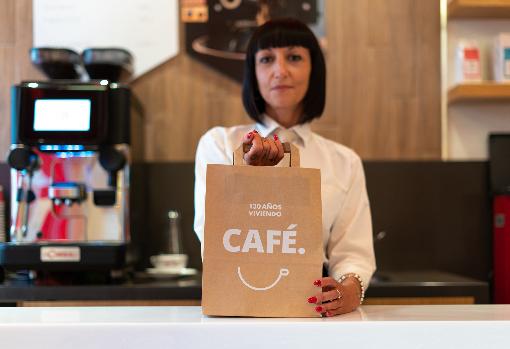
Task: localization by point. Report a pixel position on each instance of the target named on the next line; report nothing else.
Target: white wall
(148, 29)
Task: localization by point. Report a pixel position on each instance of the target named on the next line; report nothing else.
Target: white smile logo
(283, 272)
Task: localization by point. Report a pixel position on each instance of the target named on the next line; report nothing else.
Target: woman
(283, 91)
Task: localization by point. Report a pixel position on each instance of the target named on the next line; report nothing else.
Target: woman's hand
(336, 298)
(264, 151)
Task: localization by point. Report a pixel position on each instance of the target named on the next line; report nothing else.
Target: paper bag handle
(287, 148)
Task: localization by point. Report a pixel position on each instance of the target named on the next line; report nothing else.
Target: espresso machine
(69, 160)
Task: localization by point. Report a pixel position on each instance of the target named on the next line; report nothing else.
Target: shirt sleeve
(211, 149)
(350, 248)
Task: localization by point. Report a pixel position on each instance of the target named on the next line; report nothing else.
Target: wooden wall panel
(6, 79)
(6, 16)
(24, 70)
(384, 78)
(6, 69)
(383, 84)
(15, 66)
(182, 99)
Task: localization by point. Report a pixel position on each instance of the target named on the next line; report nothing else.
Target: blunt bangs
(277, 36)
(283, 32)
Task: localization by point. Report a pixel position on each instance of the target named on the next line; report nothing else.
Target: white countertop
(428, 326)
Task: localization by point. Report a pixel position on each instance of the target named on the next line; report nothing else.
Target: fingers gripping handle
(287, 148)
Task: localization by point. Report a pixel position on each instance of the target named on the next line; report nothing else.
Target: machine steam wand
(25, 161)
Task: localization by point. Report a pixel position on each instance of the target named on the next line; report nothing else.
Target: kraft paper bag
(263, 239)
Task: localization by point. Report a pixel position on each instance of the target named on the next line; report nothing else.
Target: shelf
(479, 9)
(482, 92)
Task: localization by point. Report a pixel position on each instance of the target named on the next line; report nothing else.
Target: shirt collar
(270, 126)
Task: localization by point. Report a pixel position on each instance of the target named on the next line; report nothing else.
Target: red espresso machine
(70, 161)
(499, 150)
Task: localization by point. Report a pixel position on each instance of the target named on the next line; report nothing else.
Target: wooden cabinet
(483, 92)
(196, 302)
(110, 303)
(418, 300)
(479, 9)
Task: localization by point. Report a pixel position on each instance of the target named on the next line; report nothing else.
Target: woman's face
(283, 74)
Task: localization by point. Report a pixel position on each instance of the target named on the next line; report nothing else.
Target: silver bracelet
(360, 280)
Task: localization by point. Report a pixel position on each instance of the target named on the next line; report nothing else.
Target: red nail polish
(275, 137)
(329, 314)
(312, 299)
(318, 309)
(317, 283)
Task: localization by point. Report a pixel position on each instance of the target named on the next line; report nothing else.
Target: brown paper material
(263, 240)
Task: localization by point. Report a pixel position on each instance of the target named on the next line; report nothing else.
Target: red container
(501, 224)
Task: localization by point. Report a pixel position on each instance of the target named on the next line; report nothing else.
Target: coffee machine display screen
(53, 113)
(57, 115)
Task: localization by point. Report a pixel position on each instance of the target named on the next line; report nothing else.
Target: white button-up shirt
(346, 220)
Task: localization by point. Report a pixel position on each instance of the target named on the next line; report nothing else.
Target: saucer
(167, 272)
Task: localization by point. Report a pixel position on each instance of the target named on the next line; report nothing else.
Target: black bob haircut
(284, 32)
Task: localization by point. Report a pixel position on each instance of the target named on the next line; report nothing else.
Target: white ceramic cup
(170, 262)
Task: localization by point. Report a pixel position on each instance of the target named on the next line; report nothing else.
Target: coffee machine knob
(23, 159)
(112, 161)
